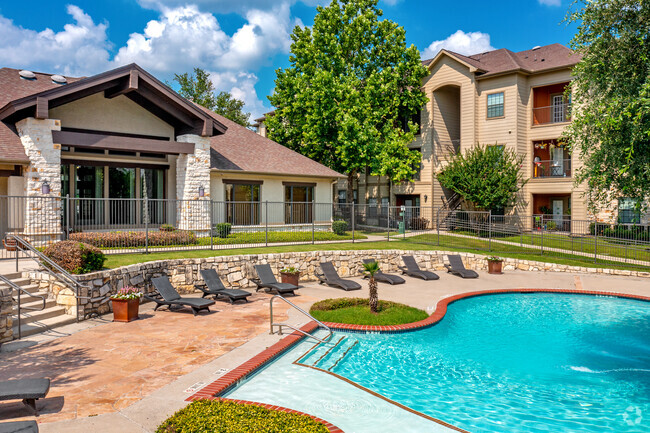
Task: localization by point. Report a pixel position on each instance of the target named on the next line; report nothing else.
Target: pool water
(509, 362)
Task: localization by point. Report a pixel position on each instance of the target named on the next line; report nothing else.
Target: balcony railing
(552, 169)
(557, 113)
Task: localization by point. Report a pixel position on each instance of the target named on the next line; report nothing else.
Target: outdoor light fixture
(201, 191)
(425, 198)
(45, 188)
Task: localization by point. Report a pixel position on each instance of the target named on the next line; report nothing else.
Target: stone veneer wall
(237, 271)
(6, 322)
(192, 172)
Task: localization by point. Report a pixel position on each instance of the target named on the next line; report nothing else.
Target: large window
(243, 207)
(299, 206)
(628, 211)
(413, 118)
(121, 187)
(152, 186)
(495, 105)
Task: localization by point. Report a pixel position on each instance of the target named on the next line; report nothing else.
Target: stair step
(40, 315)
(44, 325)
(29, 302)
(14, 276)
(21, 281)
(337, 355)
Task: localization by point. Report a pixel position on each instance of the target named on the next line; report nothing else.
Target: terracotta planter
(10, 245)
(495, 266)
(125, 310)
(290, 278)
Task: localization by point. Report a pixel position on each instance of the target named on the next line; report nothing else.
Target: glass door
(121, 191)
(89, 188)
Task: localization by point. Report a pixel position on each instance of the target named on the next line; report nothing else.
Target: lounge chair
(27, 390)
(456, 267)
(214, 287)
(19, 427)
(268, 282)
(413, 270)
(169, 296)
(385, 278)
(332, 278)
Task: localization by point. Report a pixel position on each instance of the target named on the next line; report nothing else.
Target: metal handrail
(280, 325)
(19, 289)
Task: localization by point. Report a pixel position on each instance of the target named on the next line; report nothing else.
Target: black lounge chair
(19, 427)
(268, 282)
(413, 270)
(169, 296)
(457, 267)
(385, 278)
(214, 287)
(27, 390)
(332, 278)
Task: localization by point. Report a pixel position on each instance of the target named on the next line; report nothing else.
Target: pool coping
(243, 371)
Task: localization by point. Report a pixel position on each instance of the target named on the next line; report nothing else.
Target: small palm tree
(371, 269)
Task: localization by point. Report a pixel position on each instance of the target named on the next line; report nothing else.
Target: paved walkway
(115, 377)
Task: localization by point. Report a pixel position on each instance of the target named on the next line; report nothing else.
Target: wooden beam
(113, 142)
(128, 85)
(165, 104)
(42, 108)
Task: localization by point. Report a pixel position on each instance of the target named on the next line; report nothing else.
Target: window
(298, 203)
(628, 211)
(495, 105)
(418, 165)
(152, 186)
(372, 207)
(343, 195)
(243, 207)
(413, 118)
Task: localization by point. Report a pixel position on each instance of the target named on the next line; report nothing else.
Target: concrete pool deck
(115, 377)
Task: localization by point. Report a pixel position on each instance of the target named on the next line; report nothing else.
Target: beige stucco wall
(118, 114)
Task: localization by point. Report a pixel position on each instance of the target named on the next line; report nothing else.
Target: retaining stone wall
(237, 271)
(6, 322)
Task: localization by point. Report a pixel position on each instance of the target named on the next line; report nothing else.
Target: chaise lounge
(413, 270)
(332, 278)
(168, 296)
(383, 277)
(268, 282)
(214, 287)
(27, 390)
(456, 267)
(19, 427)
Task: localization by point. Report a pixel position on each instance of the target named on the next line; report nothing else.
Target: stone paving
(116, 377)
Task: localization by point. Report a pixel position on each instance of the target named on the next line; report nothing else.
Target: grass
(356, 311)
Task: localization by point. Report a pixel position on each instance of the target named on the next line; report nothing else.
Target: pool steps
(327, 356)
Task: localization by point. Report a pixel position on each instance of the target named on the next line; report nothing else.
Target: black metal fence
(142, 225)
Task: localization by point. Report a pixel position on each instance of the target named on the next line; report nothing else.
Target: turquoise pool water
(507, 362)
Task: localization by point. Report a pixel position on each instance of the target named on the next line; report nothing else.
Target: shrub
(551, 225)
(223, 229)
(135, 239)
(339, 227)
(227, 416)
(76, 257)
(419, 223)
(167, 228)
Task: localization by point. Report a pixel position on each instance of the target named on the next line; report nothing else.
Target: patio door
(557, 164)
(558, 211)
(557, 104)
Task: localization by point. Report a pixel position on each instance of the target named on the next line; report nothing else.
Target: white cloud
(460, 42)
(227, 6)
(240, 85)
(80, 48)
(550, 2)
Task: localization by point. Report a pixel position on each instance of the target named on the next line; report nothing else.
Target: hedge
(208, 416)
(135, 239)
(76, 257)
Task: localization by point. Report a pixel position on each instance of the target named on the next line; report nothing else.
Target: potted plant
(125, 304)
(290, 275)
(495, 265)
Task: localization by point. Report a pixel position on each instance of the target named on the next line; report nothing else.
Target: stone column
(42, 211)
(192, 173)
(6, 321)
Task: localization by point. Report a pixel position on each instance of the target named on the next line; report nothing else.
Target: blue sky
(242, 42)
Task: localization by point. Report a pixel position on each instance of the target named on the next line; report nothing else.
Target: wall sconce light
(425, 198)
(45, 188)
(201, 191)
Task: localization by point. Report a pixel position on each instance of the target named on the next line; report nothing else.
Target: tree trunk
(374, 299)
(350, 192)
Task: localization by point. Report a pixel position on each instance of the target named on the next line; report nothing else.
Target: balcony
(558, 113)
(559, 168)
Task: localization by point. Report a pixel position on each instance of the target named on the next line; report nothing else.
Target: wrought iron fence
(143, 225)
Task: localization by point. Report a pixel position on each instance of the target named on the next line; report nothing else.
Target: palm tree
(371, 269)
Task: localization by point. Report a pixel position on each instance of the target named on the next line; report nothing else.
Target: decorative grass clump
(210, 416)
(356, 311)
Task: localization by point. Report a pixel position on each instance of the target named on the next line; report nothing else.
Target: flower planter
(10, 245)
(125, 310)
(495, 266)
(290, 277)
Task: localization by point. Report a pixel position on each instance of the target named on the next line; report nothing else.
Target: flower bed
(356, 311)
(135, 239)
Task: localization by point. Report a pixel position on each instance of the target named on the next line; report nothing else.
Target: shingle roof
(530, 61)
(13, 87)
(240, 149)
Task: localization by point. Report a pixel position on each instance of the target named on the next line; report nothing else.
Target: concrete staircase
(35, 321)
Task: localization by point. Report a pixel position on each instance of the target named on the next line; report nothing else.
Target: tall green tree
(611, 94)
(198, 88)
(350, 82)
(486, 177)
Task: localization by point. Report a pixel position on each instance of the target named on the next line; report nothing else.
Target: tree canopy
(486, 177)
(350, 84)
(611, 94)
(198, 88)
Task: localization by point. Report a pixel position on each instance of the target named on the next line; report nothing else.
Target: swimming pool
(506, 362)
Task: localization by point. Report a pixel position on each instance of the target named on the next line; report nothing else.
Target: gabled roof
(497, 62)
(241, 150)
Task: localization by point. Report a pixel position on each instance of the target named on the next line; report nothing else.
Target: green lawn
(357, 312)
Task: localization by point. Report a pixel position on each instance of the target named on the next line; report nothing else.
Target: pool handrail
(280, 325)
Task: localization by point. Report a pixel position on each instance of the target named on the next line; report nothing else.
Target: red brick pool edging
(233, 377)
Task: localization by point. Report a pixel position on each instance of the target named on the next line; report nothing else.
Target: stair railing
(280, 325)
(19, 290)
